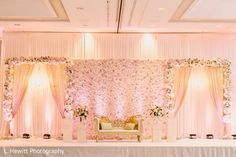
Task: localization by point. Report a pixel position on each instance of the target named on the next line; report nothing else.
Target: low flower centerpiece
(81, 113)
(157, 112)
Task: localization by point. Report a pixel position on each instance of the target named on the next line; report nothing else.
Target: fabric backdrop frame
(8, 86)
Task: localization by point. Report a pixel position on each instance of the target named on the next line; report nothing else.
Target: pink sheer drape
(56, 76)
(197, 114)
(181, 80)
(215, 78)
(23, 73)
(38, 113)
(5, 128)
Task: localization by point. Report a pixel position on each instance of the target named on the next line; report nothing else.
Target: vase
(81, 131)
(157, 130)
(67, 130)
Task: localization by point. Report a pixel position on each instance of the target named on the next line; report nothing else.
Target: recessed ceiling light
(161, 9)
(17, 24)
(80, 8)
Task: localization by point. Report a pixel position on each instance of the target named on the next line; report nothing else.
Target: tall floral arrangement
(81, 112)
(157, 111)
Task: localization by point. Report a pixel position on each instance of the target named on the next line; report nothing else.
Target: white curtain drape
(43, 44)
(198, 113)
(126, 46)
(56, 76)
(181, 81)
(38, 113)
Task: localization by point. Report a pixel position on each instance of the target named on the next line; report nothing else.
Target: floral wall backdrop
(119, 89)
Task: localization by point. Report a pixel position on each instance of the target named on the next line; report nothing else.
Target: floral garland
(9, 73)
(222, 63)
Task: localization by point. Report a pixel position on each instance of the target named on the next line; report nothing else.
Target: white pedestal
(156, 133)
(67, 130)
(81, 132)
(171, 130)
(157, 130)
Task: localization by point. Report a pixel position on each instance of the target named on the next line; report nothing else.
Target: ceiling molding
(55, 4)
(132, 12)
(182, 9)
(117, 10)
(108, 13)
(120, 15)
(143, 11)
(59, 9)
(135, 16)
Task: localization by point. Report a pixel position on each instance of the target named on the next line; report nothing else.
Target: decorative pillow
(118, 123)
(129, 126)
(133, 119)
(104, 119)
(106, 126)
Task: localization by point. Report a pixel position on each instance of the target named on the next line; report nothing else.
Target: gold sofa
(131, 126)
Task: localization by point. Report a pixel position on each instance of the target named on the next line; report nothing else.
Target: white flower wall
(119, 89)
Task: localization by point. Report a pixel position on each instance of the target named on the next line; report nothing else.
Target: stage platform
(57, 148)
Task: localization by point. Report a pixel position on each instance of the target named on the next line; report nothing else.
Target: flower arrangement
(81, 113)
(157, 111)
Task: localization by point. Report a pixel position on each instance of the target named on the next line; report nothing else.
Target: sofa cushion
(129, 126)
(106, 126)
(133, 119)
(104, 119)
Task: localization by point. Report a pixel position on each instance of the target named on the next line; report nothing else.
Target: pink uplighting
(119, 78)
(119, 103)
(139, 102)
(101, 103)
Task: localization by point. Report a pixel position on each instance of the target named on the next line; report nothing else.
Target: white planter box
(156, 134)
(171, 130)
(157, 130)
(67, 130)
(81, 132)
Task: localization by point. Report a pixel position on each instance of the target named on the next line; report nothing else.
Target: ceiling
(118, 15)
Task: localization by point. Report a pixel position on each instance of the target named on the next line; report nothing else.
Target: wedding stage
(179, 148)
(69, 110)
